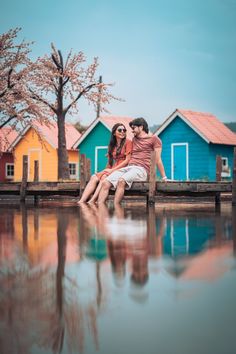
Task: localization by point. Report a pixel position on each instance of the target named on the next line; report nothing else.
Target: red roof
(110, 121)
(210, 127)
(49, 132)
(7, 136)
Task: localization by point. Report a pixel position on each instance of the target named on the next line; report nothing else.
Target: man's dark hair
(138, 122)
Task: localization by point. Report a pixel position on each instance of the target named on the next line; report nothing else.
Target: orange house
(40, 142)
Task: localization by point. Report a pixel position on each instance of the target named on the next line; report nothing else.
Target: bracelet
(164, 178)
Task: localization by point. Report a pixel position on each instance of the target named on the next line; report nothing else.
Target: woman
(119, 151)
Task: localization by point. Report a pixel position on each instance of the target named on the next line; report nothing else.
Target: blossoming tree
(16, 103)
(58, 84)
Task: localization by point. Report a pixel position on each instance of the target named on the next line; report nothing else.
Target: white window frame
(75, 176)
(6, 169)
(172, 159)
(96, 156)
(224, 173)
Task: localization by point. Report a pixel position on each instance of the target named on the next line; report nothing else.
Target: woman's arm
(122, 164)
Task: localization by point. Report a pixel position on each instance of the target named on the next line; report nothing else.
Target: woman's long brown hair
(113, 142)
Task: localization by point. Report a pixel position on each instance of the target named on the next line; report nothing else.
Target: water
(89, 280)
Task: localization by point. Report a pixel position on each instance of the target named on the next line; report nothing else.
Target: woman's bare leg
(103, 195)
(89, 189)
(97, 191)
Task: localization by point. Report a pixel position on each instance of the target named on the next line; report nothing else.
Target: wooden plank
(82, 170)
(36, 171)
(88, 169)
(234, 180)
(218, 177)
(152, 180)
(36, 179)
(24, 178)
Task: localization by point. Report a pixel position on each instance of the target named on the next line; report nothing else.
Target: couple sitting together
(128, 162)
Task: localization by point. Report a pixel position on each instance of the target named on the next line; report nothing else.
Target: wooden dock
(150, 189)
(193, 189)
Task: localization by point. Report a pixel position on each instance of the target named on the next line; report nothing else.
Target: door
(100, 158)
(179, 157)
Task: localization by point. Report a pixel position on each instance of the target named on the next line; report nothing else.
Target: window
(224, 162)
(9, 170)
(72, 169)
(225, 167)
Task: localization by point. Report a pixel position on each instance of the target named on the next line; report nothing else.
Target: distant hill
(231, 126)
(154, 127)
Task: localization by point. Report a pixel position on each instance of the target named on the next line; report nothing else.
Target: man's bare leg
(103, 195)
(120, 190)
(89, 189)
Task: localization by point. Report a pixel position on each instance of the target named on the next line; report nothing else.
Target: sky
(160, 54)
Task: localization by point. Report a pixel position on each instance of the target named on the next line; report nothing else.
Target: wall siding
(179, 132)
(5, 157)
(223, 151)
(99, 136)
(47, 155)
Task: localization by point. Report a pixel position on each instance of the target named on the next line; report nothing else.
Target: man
(139, 165)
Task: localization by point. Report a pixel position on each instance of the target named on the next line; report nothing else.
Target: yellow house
(40, 142)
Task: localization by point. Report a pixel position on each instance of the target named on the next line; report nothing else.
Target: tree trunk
(63, 165)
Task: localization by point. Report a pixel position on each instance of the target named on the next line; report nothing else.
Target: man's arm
(159, 163)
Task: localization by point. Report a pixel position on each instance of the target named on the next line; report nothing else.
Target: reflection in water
(63, 271)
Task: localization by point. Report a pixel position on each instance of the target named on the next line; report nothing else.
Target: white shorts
(130, 174)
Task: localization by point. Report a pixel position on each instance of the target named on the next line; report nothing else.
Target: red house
(7, 136)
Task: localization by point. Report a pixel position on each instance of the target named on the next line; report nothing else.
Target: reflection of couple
(126, 240)
(127, 162)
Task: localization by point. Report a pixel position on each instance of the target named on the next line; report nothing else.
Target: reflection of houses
(7, 136)
(191, 142)
(187, 236)
(40, 142)
(38, 232)
(93, 143)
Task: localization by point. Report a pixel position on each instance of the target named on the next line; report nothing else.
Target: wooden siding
(31, 145)
(5, 157)
(99, 136)
(179, 132)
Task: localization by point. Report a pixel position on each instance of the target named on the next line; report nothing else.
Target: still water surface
(129, 280)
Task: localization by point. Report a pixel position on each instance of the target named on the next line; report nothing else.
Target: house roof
(7, 136)
(49, 132)
(209, 127)
(108, 122)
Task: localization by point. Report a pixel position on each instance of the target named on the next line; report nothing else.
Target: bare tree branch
(38, 98)
(86, 89)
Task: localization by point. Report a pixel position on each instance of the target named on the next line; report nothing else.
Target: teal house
(191, 142)
(95, 140)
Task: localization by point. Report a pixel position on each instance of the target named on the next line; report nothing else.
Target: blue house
(191, 141)
(95, 140)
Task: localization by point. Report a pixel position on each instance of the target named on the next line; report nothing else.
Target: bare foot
(81, 202)
(91, 201)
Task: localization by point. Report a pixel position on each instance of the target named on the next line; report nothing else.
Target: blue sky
(161, 54)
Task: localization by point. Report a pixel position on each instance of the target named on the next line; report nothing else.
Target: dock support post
(82, 173)
(234, 180)
(152, 180)
(88, 169)
(36, 179)
(24, 178)
(218, 177)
